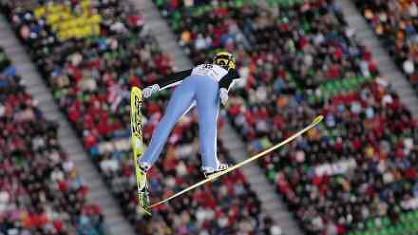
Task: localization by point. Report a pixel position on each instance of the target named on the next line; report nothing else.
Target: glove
(223, 94)
(148, 91)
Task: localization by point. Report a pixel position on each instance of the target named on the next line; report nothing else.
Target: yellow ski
(138, 148)
(315, 122)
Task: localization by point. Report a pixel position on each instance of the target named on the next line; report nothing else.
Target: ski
(138, 148)
(213, 177)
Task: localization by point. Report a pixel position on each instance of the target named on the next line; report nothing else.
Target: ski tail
(138, 148)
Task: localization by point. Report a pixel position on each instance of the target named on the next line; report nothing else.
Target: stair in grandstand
(405, 221)
(385, 63)
(271, 203)
(114, 221)
(159, 28)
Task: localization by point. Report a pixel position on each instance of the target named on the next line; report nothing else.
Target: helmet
(225, 60)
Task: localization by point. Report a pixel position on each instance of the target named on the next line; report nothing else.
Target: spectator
(38, 181)
(90, 79)
(394, 22)
(329, 194)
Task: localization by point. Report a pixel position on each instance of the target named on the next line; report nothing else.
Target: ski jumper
(199, 85)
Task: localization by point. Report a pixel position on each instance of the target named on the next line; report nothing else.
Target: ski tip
(134, 88)
(318, 119)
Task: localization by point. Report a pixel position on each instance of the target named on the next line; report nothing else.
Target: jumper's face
(225, 61)
(222, 62)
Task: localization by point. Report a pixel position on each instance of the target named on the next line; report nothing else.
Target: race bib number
(214, 71)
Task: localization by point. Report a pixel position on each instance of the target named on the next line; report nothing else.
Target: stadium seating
(40, 189)
(360, 165)
(395, 23)
(90, 79)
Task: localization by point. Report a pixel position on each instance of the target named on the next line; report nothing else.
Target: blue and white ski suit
(200, 86)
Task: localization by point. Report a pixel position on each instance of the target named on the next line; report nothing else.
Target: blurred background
(67, 67)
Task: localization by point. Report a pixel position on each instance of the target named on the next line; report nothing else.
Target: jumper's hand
(148, 91)
(223, 94)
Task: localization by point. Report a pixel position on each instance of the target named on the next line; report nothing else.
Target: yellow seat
(85, 4)
(39, 12)
(67, 25)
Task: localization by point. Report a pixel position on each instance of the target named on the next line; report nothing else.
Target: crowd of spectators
(90, 79)
(41, 191)
(395, 22)
(356, 173)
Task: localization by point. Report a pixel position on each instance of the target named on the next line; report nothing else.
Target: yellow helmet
(225, 60)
